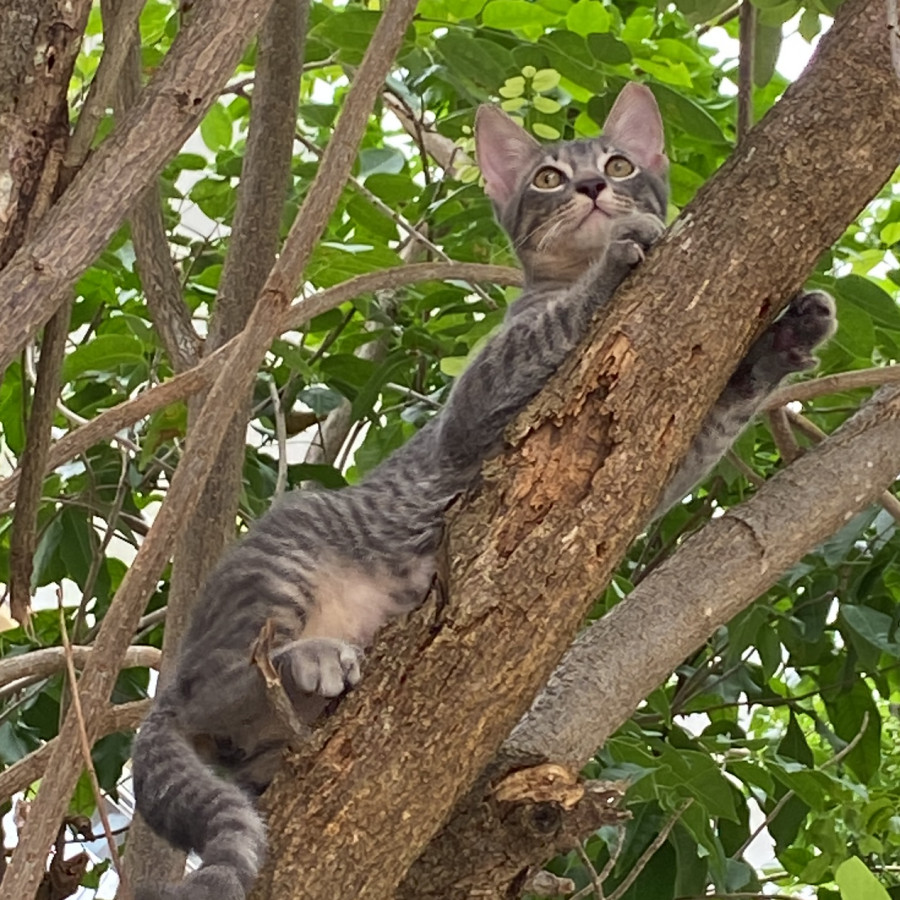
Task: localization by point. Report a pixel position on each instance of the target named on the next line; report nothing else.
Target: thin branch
(117, 30)
(34, 462)
(833, 384)
(887, 500)
(832, 761)
(747, 37)
(159, 278)
(780, 428)
(749, 473)
(596, 885)
(49, 660)
(85, 745)
(201, 376)
(281, 433)
(648, 854)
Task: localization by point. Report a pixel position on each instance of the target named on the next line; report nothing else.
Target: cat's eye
(618, 167)
(548, 178)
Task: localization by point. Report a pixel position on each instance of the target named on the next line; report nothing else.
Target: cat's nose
(591, 187)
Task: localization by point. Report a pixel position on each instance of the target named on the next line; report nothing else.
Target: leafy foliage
(775, 745)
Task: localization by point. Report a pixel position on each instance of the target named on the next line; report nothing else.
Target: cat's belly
(352, 603)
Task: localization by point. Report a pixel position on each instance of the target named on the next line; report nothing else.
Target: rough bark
(79, 225)
(620, 659)
(557, 512)
(38, 46)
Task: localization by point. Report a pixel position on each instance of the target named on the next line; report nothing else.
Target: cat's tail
(184, 801)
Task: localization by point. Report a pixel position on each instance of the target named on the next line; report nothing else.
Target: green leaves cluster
(788, 712)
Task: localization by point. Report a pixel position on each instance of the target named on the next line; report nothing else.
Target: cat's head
(557, 201)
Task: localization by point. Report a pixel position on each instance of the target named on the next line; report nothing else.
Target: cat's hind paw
(324, 666)
(809, 321)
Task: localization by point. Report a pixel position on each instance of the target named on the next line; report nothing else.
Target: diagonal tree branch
(557, 512)
(169, 109)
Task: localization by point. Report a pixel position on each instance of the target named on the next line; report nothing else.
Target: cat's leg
(785, 347)
(541, 330)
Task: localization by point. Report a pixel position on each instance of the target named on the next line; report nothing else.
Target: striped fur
(327, 569)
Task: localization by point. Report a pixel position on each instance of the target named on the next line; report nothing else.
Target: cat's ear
(635, 125)
(503, 149)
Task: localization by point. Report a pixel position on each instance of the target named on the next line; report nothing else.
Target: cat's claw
(324, 666)
(808, 321)
(633, 236)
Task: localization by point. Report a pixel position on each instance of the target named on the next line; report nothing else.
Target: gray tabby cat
(329, 568)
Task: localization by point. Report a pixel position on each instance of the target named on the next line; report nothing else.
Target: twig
(49, 660)
(780, 428)
(721, 20)
(833, 384)
(790, 792)
(752, 476)
(596, 885)
(281, 432)
(647, 855)
(201, 376)
(97, 559)
(747, 37)
(34, 462)
(116, 41)
(86, 746)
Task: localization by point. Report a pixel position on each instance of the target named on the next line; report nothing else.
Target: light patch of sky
(792, 58)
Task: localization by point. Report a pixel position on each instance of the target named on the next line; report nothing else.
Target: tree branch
(557, 512)
(80, 224)
(49, 660)
(34, 463)
(107, 423)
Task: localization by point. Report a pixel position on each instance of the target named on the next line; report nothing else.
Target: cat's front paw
(808, 321)
(324, 666)
(633, 236)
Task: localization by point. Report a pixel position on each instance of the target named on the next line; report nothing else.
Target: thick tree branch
(557, 512)
(80, 224)
(107, 423)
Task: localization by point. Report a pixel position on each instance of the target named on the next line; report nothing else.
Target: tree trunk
(558, 511)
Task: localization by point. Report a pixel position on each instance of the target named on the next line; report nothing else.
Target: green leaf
(483, 61)
(871, 626)
(103, 353)
(511, 14)
(855, 718)
(587, 17)
(856, 882)
(545, 80)
(216, 128)
(679, 110)
(766, 46)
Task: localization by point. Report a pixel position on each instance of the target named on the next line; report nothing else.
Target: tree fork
(558, 511)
